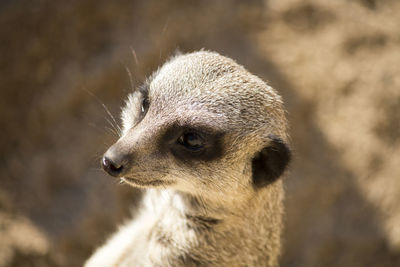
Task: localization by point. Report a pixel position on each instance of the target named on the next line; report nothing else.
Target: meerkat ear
(270, 163)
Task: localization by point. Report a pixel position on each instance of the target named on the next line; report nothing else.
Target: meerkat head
(201, 124)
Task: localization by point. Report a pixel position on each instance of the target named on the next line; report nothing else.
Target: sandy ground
(336, 63)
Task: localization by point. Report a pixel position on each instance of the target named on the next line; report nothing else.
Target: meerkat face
(201, 123)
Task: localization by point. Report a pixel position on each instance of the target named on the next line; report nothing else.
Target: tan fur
(204, 212)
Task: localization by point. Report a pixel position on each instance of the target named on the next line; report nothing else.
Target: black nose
(112, 168)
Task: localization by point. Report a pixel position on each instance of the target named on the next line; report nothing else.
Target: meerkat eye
(191, 141)
(144, 106)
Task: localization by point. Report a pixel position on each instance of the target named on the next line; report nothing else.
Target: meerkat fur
(207, 142)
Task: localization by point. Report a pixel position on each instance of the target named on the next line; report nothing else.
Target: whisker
(165, 26)
(112, 117)
(113, 127)
(130, 77)
(118, 129)
(162, 33)
(135, 56)
(112, 131)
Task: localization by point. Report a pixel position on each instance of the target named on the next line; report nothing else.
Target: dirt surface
(336, 63)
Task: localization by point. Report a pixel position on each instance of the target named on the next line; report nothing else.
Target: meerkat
(207, 141)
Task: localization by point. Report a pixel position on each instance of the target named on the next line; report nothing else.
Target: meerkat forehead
(209, 88)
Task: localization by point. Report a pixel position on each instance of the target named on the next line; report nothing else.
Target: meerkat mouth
(138, 182)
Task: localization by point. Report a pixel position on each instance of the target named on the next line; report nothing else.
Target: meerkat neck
(160, 201)
(167, 201)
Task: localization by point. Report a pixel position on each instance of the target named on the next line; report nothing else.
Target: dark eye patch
(205, 144)
(145, 102)
(144, 88)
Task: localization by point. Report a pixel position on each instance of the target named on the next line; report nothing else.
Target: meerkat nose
(112, 167)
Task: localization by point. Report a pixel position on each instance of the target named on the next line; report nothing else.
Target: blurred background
(336, 63)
